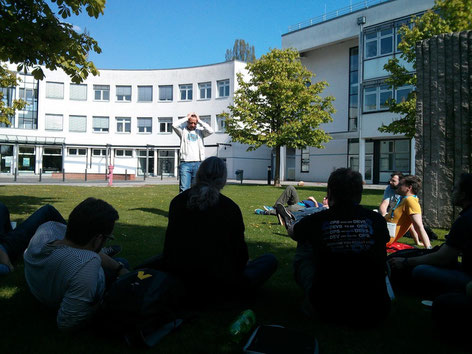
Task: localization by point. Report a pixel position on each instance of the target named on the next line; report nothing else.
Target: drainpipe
(361, 21)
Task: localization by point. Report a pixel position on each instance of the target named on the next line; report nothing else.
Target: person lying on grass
(64, 267)
(13, 242)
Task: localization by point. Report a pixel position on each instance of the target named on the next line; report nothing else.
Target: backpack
(143, 305)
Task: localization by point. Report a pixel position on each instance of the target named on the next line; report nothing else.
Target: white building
(348, 49)
(121, 118)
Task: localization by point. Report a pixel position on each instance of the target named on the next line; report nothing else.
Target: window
(401, 93)
(53, 122)
(186, 92)
(52, 159)
(99, 152)
(123, 93)
(76, 152)
(221, 123)
(165, 125)
(145, 125)
(206, 119)
(395, 155)
(376, 97)
(353, 88)
(223, 88)
(123, 153)
(101, 92)
(28, 120)
(77, 124)
(100, 124)
(144, 93)
(78, 92)
(165, 93)
(378, 43)
(123, 125)
(54, 90)
(30, 96)
(205, 90)
(305, 161)
(26, 158)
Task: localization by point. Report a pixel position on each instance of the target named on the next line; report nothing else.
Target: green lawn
(28, 327)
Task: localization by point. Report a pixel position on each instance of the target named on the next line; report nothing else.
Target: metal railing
(337, 13)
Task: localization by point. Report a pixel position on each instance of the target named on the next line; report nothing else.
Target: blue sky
(158, 34)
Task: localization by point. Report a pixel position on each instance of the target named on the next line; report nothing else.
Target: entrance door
(369, 171)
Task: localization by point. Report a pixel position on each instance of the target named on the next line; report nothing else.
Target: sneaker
(268, 208)
(285, 217)
(112, 250)
(261, 212)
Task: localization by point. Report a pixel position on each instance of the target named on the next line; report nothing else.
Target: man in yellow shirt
(407, 212)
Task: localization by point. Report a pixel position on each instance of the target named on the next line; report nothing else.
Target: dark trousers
(16, 241)
(290, 198)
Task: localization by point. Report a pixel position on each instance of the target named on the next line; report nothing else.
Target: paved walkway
(139, 182)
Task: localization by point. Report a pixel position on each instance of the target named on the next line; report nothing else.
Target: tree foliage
(33, 35)
(279, 105)
(8, 79)
(241, 51)
(445, 17)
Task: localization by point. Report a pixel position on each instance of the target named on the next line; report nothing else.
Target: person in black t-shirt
(341, 257)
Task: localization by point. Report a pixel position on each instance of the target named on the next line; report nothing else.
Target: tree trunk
(277, 167)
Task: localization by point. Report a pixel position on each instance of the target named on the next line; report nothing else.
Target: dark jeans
(290, 198)
(16, 241)
(259, 270)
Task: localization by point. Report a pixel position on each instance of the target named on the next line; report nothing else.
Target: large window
(101, 92)
(26, 158)
(144, 93)
(78, 124)
(123, 124)
(6, 156)
(123, 93)
(401, 93)
(376, 97)
(145, 125)
(100, 124)
(28, 120)
(78, 92)
(305, 160)
(379, 42)
(166, 162)
(52, 159)
(54, 90)
(186, 92)
(205, 90)
(395, 155)
(206, 119)
(53, 122)
(223, 88)
(353, 87)
(165, 93)
(165, 124)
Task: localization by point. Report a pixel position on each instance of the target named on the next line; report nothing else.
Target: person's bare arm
(383, 207)
(418, 225)
(111, 264)
(443, 257)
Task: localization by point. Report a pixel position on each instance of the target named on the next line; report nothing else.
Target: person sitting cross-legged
(204, 243)
(340, 261)
(64, 267)
(13, 242)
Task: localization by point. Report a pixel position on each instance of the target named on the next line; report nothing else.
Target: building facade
(121, 118)
(348, 49)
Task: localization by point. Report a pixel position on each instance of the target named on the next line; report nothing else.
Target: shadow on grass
(23, 204)
(154, 211)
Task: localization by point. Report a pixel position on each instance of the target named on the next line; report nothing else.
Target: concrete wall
(444, 124)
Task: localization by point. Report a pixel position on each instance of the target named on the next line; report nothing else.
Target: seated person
(13, 242)
(391, 196)
(441, 272)
(63, 266)
(204, 243)
(340, 261)
(407, 212)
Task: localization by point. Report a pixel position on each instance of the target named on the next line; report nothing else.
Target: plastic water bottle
(243, 324)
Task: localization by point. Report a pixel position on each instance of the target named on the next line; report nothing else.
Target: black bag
(143, 305)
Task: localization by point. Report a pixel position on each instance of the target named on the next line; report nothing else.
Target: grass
(26, 326)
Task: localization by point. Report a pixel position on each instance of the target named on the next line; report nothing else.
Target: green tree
(241, 51)
(32, 35)
(446, 16)
(279, 106)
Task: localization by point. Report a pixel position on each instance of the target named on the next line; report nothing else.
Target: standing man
(340, 261)
(192, 150)
(407, 212)
(391, 196)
